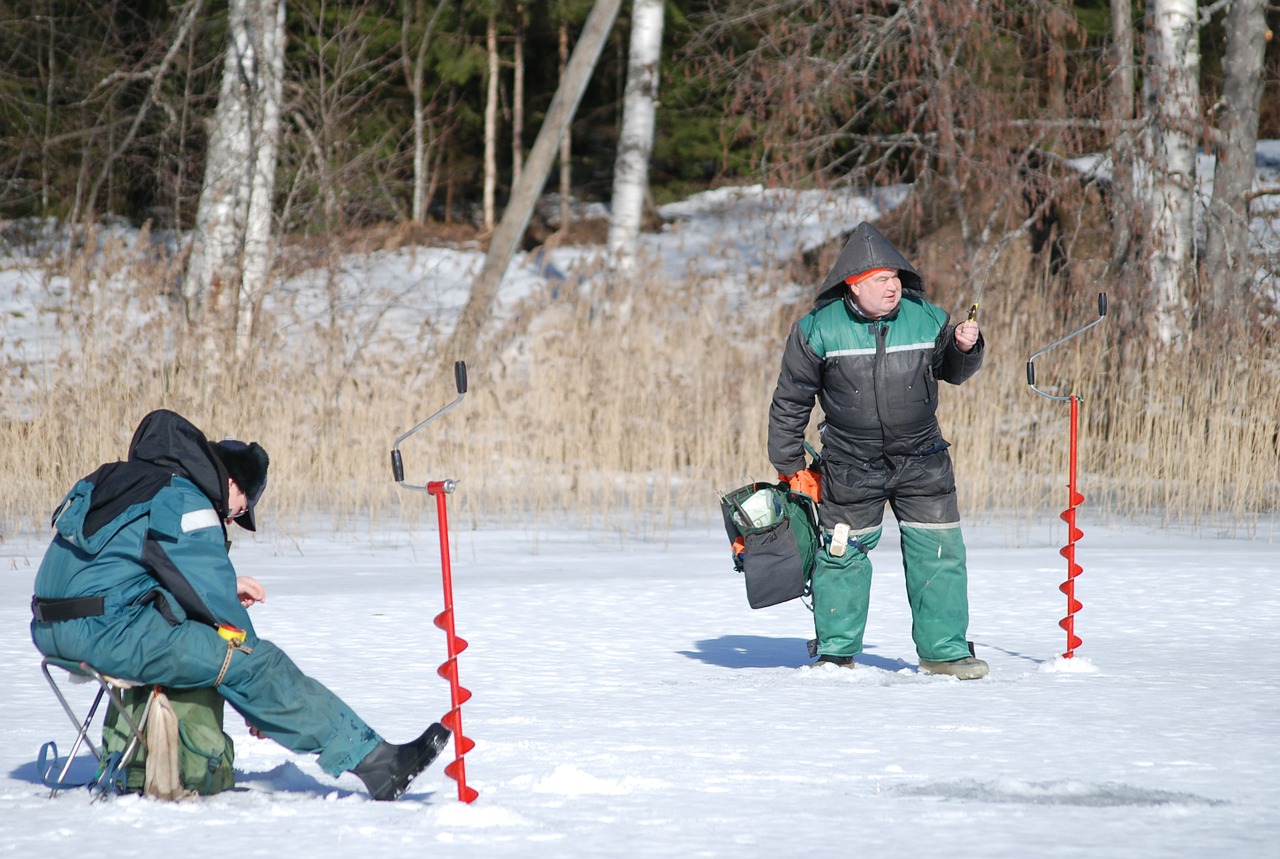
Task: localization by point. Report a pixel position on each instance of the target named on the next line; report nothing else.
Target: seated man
(138, 583)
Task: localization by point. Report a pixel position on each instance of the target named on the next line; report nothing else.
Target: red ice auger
(455, 645)
(1075, 499)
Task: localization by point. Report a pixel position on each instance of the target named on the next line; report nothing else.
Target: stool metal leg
(106, 687)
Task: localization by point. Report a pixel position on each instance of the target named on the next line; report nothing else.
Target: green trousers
(937, 590)
(921, 492)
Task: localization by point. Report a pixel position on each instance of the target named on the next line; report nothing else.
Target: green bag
(205, 752)
(774, 534)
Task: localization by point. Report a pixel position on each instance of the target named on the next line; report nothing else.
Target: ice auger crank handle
(1031, 362)
(397, 462)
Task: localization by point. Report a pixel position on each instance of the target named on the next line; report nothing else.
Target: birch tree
(413, 60)
(635, 144)
(1228, 272)
(1171, 97)
(517, 98)
(491, 123)
(231, 249)
(566, 139)
(258, 243)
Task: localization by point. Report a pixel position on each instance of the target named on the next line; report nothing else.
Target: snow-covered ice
(628, 702)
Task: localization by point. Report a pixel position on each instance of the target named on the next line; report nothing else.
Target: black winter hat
(246, 464)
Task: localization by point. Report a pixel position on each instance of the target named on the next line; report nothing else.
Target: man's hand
(249, 591)
(967, 335)
(806, 481)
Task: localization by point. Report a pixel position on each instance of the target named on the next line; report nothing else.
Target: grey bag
(774, 535)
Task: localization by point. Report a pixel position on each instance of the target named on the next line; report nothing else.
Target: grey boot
(968, 668)
(387, 770)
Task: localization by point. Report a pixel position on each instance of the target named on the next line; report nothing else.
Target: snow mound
(1074, 665)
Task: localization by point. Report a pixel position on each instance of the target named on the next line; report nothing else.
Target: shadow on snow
(759, 651)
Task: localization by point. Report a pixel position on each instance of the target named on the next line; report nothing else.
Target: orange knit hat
(858, 278)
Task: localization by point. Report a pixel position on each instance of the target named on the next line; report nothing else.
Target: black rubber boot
(387, 770)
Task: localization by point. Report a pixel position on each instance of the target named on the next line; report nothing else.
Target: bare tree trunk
(449, 184)
(1058, 28)
(1228, 269)
(259, 247)
(517, 100)
(51, 93)
(566, 142)
(214, 266)
(515, 220)
(414, 63)
(441, 163)
(239, 171)
(1123, 204)
(1171, 96)
(635, 144)
(491, 124)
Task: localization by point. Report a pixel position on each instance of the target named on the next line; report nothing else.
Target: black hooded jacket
(164, 444)
(876, 379)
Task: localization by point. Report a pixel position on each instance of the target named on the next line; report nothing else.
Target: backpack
(774, 535)
(205, 752)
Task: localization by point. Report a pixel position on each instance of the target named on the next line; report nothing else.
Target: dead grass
(631, 405)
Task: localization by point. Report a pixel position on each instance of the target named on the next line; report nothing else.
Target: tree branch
(1262, 192)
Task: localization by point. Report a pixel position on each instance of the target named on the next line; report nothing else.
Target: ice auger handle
(1031, 362)
(397, 462)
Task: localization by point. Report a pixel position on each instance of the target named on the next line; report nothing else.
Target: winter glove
(806, 481)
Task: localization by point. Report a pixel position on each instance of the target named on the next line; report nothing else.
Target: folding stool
(110, 688)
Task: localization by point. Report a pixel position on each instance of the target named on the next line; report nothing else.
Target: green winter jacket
(144, 535)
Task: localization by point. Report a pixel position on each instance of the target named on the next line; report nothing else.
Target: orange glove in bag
(806, 481)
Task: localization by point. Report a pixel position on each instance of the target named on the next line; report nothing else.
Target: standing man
(872, 351)
(137, 582)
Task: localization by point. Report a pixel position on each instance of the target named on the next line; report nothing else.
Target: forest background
(1041, 149)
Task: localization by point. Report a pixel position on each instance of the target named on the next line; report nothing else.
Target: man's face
(237, 501)
(878, 295)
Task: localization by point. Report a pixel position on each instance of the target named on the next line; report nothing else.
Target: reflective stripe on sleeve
(197, 519)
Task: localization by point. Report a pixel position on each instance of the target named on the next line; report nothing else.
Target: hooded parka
(138, 579)
(877, 383)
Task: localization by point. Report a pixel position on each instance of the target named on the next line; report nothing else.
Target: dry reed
(630, 407)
